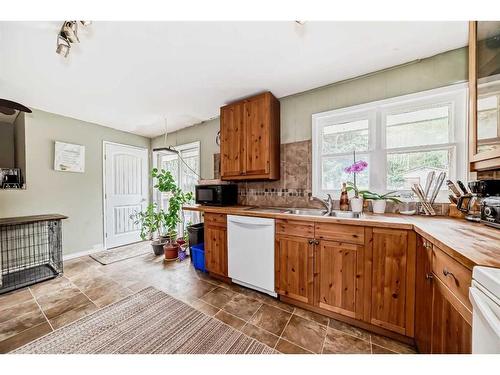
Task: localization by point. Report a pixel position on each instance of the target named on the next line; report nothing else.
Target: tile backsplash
(294, 188)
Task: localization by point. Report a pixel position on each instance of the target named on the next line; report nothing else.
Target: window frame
(455, 96)
(157, 156)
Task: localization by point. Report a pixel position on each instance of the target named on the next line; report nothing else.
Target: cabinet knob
(311, 241)
(429, 276)
(316, 242)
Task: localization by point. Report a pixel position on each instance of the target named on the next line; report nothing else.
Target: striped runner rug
(148, 322)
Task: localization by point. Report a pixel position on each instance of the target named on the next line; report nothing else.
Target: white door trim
(104, 143)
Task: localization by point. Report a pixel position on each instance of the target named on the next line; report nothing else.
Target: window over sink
(401, 138)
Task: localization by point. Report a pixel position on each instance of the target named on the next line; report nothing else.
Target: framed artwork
(69, 157)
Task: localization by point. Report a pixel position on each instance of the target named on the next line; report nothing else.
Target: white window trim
(156, 162)
(376, 112)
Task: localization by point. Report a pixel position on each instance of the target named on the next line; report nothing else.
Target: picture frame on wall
(69, 157)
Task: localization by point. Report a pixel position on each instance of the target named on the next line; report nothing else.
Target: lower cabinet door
(294, 268)
(451, 322)
(216, 250)
(339, 277)
(423, 296)
(393, 278)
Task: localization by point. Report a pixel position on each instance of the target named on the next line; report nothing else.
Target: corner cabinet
(250, 139)
(216, 244)
(442, 314)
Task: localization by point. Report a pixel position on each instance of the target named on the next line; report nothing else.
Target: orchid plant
(354, 169)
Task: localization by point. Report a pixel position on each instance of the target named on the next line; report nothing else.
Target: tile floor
(86, 286)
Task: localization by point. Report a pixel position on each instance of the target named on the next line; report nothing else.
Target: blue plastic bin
(198, 256)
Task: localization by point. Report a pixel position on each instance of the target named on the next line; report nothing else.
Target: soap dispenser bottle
(344, 199)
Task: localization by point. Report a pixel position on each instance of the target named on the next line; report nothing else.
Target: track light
(63, 46)
(67, 35)
(70, 30)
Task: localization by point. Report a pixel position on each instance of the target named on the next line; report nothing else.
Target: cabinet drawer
(454, 275)
(215, 219)
(340, 232)
(295, 228)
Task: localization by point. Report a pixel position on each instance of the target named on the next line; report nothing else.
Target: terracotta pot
(171, 250)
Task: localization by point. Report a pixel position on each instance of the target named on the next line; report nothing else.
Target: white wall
(77, 195)
(296, 110)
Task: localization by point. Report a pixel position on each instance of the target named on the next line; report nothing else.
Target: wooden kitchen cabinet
(339, 277)
(451, 322)
(423, 296)
(294, 267)
(442, 315)
(216, 244)
(392, 262)
(250, 139)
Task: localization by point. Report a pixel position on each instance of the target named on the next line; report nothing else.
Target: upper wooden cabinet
(250, 139)
(484, 95)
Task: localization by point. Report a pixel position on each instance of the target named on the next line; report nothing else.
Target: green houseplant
(379, 200)
(165, 183)
(151, 222)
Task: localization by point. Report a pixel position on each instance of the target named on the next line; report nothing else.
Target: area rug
(123, 252)
(148, 322)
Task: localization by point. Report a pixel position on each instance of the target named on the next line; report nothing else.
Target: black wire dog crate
(30, 249)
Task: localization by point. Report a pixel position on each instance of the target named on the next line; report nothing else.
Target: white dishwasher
(485, 297)
(250, 252)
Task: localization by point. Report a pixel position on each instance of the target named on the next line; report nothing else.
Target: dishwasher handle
(250, 221)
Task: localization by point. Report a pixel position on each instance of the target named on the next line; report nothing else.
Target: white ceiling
(130, 75)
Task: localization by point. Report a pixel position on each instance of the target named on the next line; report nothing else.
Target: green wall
(296, 110)
(77, 195)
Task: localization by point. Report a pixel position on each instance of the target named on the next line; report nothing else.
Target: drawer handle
(448, 273)
(310, 242)
(429, 276)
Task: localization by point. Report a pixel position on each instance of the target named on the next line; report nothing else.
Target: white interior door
(126, 192)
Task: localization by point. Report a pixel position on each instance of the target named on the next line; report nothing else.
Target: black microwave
(217, 195)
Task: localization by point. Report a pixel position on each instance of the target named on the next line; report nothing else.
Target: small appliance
(217, 194)
(472, 203)
(490, 211)
(10, 178)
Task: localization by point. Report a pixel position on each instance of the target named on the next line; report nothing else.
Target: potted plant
(151, 222)
(354, 169)
(379, 200)
(165, 183)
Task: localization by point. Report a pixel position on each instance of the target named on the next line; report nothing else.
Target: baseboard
(81, 254)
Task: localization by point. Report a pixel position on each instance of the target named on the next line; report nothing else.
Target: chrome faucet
(328, 203)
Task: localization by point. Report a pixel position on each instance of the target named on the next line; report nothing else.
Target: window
(184, 177)
(402, 139)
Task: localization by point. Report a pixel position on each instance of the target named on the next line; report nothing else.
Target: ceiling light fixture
(67, 35)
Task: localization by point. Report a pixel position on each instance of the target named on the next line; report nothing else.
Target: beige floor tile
(379, 350)
(337, 342)
(24, 337)
(392, 345)
(229, 319)
(286, 347)
(218, 297)
(260, 335)
(14, 311)
(271, 319)
(72, 315)
(20, 323)
(349, 329)
(14, 298)
(205, 307)
(305, 333)
(243, 307)
(310, 315)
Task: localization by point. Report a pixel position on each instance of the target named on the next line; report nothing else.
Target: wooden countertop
(472, 244)
(30, 219)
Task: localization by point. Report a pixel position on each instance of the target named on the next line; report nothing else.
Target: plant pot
(171, 251)
(357, 204)
(378, 206)
(158, 247)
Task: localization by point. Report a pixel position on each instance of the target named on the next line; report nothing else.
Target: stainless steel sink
(346, 214)
(307, 211)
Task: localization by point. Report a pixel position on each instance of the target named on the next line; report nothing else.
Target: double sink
(308, 212)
